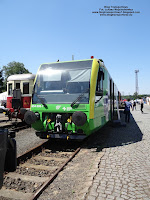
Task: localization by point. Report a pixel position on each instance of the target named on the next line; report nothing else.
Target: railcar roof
(21, 77)
(72, 61)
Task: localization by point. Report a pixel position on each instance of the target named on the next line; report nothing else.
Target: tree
(14, 68)
(1, 81)
(135, 95)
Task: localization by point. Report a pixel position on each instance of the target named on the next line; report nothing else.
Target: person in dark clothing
(134, 105)
(127, 110)
(142, 105)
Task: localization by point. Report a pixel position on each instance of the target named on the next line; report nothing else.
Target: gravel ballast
(26, 139)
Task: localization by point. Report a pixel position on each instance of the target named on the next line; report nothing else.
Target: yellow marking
(48, 120)
(93, 82)
(69, 120)
(26, 103)
(67, 137)
(4, 112)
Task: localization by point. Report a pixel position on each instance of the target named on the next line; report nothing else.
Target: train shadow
(110, 136)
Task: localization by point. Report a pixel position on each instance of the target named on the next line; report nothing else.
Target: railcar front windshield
(63, 82)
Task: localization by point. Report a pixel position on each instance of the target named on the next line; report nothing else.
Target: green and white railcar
(72, 99)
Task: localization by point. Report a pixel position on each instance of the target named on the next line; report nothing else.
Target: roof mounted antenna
(101, 60)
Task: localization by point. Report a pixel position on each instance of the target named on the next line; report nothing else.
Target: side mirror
(99, 93)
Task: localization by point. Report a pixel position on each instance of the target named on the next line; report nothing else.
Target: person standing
(134, 105)
(142, 105)
(128, 104)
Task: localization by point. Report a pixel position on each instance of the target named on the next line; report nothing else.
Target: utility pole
(136, 82)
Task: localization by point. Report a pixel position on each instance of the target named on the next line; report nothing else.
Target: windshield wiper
(79, 98)
(41, 100)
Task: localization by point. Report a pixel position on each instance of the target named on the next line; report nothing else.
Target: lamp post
(136, 83)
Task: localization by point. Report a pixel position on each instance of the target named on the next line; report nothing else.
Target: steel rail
(14, 126)
(29, 153)
(16, 129)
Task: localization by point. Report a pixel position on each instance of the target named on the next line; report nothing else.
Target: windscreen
(63, 82)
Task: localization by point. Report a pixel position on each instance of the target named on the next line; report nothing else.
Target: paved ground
(124, 170)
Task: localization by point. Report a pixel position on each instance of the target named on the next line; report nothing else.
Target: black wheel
(11, 156)
(9, 117)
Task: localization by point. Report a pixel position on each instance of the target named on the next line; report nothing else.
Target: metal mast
(136, 82)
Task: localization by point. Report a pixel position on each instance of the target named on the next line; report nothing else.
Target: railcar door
(99, 103)
(111, 99)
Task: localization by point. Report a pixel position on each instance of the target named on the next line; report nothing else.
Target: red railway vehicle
(19, 92)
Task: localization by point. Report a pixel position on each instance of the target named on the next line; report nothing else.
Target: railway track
(18, 127)
(36, 169)
(13, 126)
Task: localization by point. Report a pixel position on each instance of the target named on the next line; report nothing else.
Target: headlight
(30, 117)
(79, 118)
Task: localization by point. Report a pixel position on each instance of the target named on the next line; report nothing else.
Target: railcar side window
(99, 86)
(25, 88)
(17, 85)
(10, 89)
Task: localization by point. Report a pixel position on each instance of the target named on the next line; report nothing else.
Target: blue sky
(41, 31)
